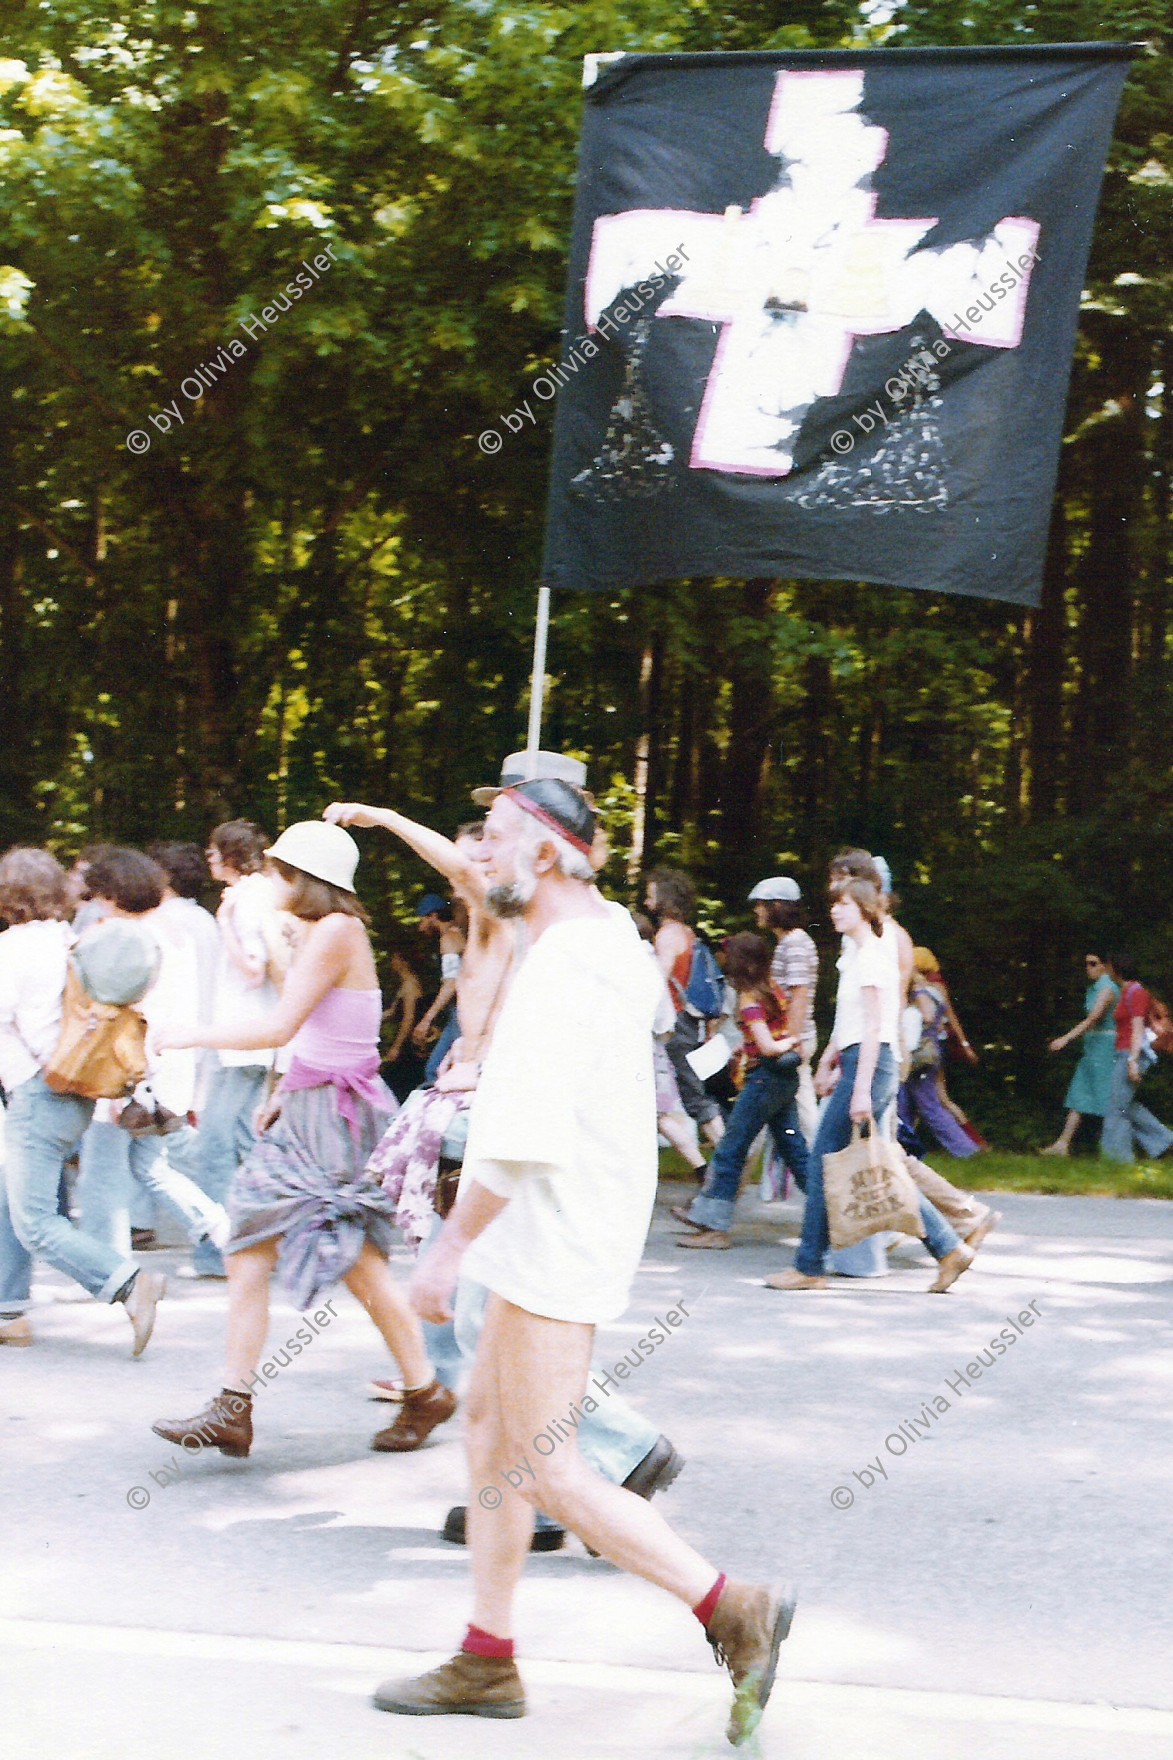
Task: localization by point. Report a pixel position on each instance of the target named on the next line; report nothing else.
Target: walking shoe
(468, 1686)
(455, 1531)
(990, 1220)
(949, 1269)
(715, 1238)
(388, 1390)
(794, 1280)
(422, 1409)
(659, 1467)
(226, 1423)
(140, 1302)
(746, 1632)
(16, 1331)
(680, 1211)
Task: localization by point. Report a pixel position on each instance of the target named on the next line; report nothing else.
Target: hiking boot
(716, 1239)
(659, 1467)
(226, 1424)
(468, 1686)
(455, 1531)
(422, 1409)
(794, 1280)
(140, 1302)
(990, 1220)
(746, 1632)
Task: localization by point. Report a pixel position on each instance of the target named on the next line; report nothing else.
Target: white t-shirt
(238, 1001)
(866, 965)
(563, 1123)
(33, 960)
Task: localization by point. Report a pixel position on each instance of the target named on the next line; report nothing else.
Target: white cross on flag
(821, 314)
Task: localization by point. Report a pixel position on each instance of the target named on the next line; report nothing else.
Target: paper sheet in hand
(708, 1058)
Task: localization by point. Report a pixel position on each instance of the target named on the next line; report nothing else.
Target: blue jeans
(43, 1130)
(226, 1135)
(1129, 1126)
(440, 1050)
(113, 1164)
(835, 1133)
(769, 1098)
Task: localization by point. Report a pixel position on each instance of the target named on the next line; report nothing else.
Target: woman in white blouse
(858, 1074)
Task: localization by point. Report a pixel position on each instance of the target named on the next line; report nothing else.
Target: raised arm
(439, 852)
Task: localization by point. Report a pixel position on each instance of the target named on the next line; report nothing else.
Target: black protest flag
(821, 314)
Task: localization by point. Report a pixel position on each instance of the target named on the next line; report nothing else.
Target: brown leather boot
(419, 1415)
(746, 1632)
(468, 1686)
(226, 1424)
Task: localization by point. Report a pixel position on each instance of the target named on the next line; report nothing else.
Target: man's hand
(424, 1034)
(1059, 1044)
(433, 1283)
(351, 813)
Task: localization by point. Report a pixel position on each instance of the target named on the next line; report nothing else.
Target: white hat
(325, 852)
(781, 887)
(547, 767)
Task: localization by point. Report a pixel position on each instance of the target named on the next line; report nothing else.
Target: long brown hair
(746, 959)
(314, 899)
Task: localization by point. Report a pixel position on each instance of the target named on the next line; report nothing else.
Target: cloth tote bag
(868, 1190)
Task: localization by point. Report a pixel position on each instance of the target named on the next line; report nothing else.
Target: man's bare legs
(529, 1372)
(714, 1129)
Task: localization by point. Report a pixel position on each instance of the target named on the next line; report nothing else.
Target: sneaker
(468, 1686)
(746, 1632)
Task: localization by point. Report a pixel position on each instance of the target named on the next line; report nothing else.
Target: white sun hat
(326, 852)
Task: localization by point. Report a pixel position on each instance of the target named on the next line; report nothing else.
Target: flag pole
(537, 685)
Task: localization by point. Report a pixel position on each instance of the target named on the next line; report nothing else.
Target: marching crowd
(256, 1107)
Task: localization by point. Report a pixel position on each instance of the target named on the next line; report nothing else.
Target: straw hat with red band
(561, 808)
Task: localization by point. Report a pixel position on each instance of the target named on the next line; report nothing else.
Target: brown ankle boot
(226, 1424)
(746, 1632)
(468, 1686)
(419, 1415)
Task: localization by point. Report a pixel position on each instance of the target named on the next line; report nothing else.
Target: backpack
(705, 991)
(101, 1054)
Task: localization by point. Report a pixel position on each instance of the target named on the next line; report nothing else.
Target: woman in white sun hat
(301, 1203)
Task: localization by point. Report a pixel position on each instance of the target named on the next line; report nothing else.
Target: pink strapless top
(342, 1031)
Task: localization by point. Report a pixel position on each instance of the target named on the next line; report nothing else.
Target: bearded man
(555, 1199)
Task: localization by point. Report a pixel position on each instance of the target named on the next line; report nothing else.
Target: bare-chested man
(555, 1199)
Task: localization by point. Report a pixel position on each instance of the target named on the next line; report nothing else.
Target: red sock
(479, 1643)
(705, 1609)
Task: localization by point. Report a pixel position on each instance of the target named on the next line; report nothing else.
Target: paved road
(1001, 1593)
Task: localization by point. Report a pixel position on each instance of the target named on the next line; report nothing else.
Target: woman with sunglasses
(1090, 1089)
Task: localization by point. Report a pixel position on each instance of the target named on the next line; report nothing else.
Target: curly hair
(34, 887)
(241, 845)
(675, 893)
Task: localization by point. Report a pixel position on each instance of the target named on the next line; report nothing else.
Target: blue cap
(432, 905)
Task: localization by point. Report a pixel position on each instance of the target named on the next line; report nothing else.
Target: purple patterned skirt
(305, 1184)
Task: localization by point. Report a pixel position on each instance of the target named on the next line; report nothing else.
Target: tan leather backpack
(101, 1054)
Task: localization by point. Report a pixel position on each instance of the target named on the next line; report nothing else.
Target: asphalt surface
(1000, 1590)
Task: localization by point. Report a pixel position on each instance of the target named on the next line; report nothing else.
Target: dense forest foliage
(310, 582)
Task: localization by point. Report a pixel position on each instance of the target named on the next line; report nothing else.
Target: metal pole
(537, 687)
